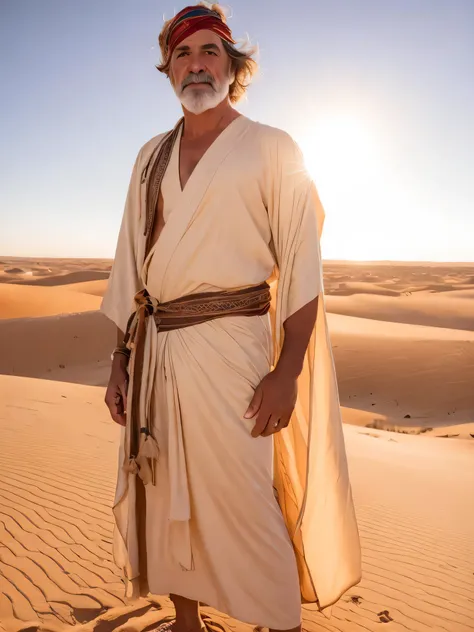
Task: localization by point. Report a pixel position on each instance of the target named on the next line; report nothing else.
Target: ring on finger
(275, 424)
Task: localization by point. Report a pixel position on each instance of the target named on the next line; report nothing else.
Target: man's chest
(190, 154)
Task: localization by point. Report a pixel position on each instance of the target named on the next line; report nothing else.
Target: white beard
(199, 100)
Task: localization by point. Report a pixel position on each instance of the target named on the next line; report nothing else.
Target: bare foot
(174, 626)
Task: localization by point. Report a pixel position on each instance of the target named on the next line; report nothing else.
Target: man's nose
(196, 64)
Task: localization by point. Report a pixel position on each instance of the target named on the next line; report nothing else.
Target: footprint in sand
(384, 616)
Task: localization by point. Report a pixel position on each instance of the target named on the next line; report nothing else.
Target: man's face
(200, 72)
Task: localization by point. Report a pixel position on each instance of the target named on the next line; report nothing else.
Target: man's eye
(211, 52)
(182, 54)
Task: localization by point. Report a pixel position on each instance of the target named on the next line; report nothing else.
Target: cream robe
(214, 531)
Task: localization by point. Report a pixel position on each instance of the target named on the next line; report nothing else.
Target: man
(233, 487)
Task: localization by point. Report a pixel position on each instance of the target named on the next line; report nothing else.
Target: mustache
(200, 77)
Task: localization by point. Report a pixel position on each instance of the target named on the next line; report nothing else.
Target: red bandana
(193, 19)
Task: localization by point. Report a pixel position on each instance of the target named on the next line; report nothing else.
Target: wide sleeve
(311, 473)
(296, 219)
(306, 279)
(124, 281)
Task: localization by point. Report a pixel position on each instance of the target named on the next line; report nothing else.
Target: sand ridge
(45, 271)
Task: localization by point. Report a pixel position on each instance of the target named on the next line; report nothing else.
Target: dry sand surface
(403, 339)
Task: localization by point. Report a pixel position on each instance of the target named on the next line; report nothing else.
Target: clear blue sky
(379, 94)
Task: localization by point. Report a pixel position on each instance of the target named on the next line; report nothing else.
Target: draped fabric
(249, 526)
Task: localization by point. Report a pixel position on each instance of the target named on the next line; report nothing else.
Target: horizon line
(355, 261)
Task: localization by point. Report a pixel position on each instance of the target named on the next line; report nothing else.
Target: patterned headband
(193, 19)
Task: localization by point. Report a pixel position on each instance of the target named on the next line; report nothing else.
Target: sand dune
(403, 341)
(350, 288)
(57, 485)
(465, 294)
(96, 288)
(377, 421)
(434, 310)
(86, 276)
(14, 271)
(50, 272)
(74, 347)
(342, 323)
(398, 370)
(21, 301)
(398, 276)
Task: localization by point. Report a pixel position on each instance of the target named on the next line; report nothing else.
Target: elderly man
(233, 486)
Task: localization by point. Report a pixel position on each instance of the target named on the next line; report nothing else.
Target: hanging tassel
(149, 448)
(145, 472)
(147, 458)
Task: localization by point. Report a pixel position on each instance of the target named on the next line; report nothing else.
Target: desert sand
(403, 341)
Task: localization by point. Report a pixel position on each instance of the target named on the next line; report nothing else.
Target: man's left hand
(273, 403)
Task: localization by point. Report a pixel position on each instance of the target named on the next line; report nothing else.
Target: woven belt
(182, 312)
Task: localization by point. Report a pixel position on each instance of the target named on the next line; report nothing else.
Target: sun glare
(343, 156)
(339, 138)
(340, 147)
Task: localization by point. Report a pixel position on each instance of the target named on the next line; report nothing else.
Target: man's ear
(231, 74)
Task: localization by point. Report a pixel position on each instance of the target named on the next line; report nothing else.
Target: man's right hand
(116, 394)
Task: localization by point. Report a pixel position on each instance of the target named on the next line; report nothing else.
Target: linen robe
(214, 529)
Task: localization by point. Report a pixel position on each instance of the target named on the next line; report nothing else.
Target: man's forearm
(298, 328)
